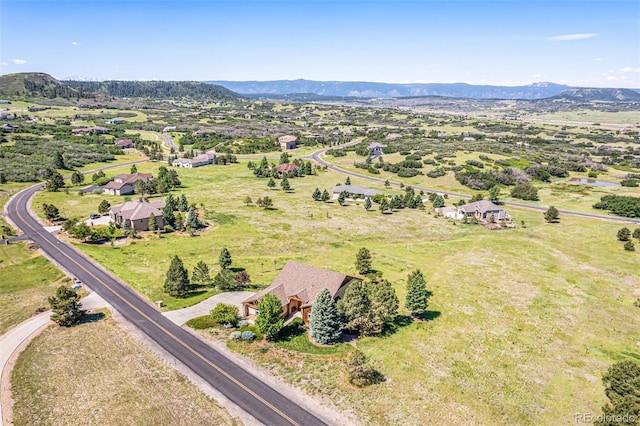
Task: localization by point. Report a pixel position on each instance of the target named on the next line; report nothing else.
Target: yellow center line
(189, 348)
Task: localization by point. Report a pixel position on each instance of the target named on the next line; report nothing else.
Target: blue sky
(584, 43)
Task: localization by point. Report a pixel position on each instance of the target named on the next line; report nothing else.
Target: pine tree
(77, 178)
(267, 202)
(192, 218)
(347, 181)
(51, 212)
(552, 215)
(168, 218)
(200, 274)
(438, 202)
(355, 305)
(177, 278)
(170, 202)
(224, 260)
(624, 234)
(417, 293)
(636, 233)
(134, 169)
(384, 205)
(494, 193)
(58, 161)
(384, 294)
(629, 246)
(367, 203)
(363, 260)
(341, 197)
(271, 184)
(153, 223)
(284, 158)
(55, 182)
(269, 320)
(325, 196)
(225, 280)
(248, 200)
(104, 206)
(324, 320)
(317, 195)
(264, 164)
(66, 307)
(182, 205)
(284, 183)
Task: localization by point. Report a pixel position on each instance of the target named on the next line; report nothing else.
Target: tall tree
(552, 215)
(325, 196)
(438, 202)
(622, 387)
(182, 204)
(267, 202)
(170, 202)
(168, 218)
(494, 193)
(342, 197)
(264, 164)
(284, 183)
(271, 184)
(77, 178)
(417, 293)
(355, 305)
(192, 218)
(66, 307)
(177, 279)
(58, 161)
(51, 212)
(384, 294)
(363, 260)
(153, 223)
(347, 181)
(140, 188)
(324, 320)
(224, 260)
(103, 207)
(134, 169)
(55, 182)
(269, 320)
(367, 204)
(225, 280)
(284, 158)
(384, 204)
(316, 194)
(200, 274)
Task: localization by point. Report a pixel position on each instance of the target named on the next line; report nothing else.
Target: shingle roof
(302, 281)
(125, 177)
(134, 210)
(355, 189)
(287, 167)
(115, 185)
(287, 138)
(482, 206)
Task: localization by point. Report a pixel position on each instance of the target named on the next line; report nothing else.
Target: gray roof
(134, 210)
(376, 145)
(483, 207)
(355, 189)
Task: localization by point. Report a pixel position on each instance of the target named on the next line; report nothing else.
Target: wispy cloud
(19, 61)
(75, 43)
(567, 37)
(598, 59)
(3, 64)
(629, 69)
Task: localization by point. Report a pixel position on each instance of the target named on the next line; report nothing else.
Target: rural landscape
(475, 266)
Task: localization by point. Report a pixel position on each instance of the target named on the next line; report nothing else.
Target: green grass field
(525, 321)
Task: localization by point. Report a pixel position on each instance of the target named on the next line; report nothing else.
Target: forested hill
(598, 94)
(156, 89)
(36, 85)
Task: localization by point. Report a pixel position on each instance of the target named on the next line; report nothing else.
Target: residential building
(297, 286)
(93, 130)
(286, 169)
(203, 159)
(483, 210)
(375, 149)
(124, 184)
(125, 143)
(116, 121)
(288, 142)
(354, 191)
(136, 214)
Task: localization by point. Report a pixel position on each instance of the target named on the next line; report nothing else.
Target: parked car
(94, 216)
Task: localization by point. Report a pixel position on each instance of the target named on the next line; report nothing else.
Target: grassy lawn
(28, 279)
(524, 321)
(96, 371)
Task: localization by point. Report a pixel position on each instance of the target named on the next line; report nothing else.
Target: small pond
(591, 182)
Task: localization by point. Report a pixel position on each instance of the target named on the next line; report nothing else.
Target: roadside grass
(293, 337)
(523, 321)
(97, 371)
(28, 279)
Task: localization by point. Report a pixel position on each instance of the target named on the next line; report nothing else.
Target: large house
(116, 121)
(204, 159)
(354, 191)
(90, 130)
(297, 286)
(124, 184)
(375, 148)
(124, 143)
(483, 210)
(136, 214)
(286, 169)
(288, 142)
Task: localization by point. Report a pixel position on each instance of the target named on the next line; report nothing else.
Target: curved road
(167, 139)
(316, 157)
(245, 390)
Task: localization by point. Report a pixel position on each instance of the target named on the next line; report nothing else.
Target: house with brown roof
(483, 210)
(124, 143)
(136, 214)
(124, 184)
(297, 286)
(90, 130)
(288, 142)
(287, 169)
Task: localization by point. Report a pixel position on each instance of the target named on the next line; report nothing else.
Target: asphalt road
(168, 140)
(316, 157)
(245, 390)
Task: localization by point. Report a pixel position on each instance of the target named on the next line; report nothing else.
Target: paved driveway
(180, 316)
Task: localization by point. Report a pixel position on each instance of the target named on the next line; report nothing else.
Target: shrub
(242, 323)
(525, 191)
(360, 371)
(436, 173)
(629, 246)
(248, 335)
(228, 325)
(236, 335)
(223, 313)
(201, 323)
(168, 229)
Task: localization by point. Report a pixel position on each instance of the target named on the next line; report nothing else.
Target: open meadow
(522, 322)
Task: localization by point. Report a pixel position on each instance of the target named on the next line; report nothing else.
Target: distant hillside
(157, 89)
(391, 90)
(34, 85)
(597, 94)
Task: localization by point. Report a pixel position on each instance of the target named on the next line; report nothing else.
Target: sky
(589, 43)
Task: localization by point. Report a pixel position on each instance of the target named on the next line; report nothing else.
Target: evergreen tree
(438, 202)
(636, 233)
(170, 202)
(360, 371)
(354, 306)
(200, 274)
(308, 169)
(341, 197)
(58, 161)
(66, 307)
(367, 203)
(387, 183)
(384, 205)
(134, 169)
(284, 183)
(271, 184)
(140, 188)
(624, 234)
(267, 202)
(225, 280)
(274, 173)
(182, 205)
(103, 207)
(347, 181)
(317, 195)
(177, 278)
(629, 246)
(552, 215)
(55, 182)
(384, 294)
(224, 260)
(396, 202)
(325, 196)
(153, 223)
(417, 293)
(363, 260)
(373, 321)
(264, 164)
(248, 200)
(284, 158)
(192, 218)
(51, 212)
(324, 320)
(77, 178)
(168, 218)
(622, 387)
(494, 193)
(269, 320)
